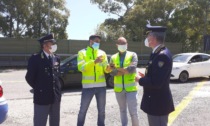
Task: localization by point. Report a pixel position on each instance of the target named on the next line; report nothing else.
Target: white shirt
(47, 54)
(153, 51)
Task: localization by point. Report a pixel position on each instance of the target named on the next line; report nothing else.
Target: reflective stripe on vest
(126, 85)
(88, 85)
(92, 77)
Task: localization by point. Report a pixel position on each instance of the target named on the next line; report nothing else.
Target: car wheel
(110, 81)
(62, 83)
(183, 77)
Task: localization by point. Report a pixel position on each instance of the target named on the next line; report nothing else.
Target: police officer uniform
(157, 100)
(43, 76)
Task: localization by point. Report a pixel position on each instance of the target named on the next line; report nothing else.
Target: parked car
(190, 65)
(71, 76)
(3, 105)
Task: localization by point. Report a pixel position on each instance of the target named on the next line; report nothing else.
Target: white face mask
(53, 48)
(96, 45)
(122, 48)
(146, 42)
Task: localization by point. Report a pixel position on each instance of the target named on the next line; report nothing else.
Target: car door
(205, 65)
(195, 67)
(72, 75)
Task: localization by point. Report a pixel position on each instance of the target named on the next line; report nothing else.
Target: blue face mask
(96, 45)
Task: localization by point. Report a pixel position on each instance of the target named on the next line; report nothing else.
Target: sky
(84, 18)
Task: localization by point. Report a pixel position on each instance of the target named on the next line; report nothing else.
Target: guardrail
(21, 60)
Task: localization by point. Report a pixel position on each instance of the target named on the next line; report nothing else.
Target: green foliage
(29, 18)
(187, 20)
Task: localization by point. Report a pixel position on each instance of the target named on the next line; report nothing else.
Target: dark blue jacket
(43, 76)
(157, 99)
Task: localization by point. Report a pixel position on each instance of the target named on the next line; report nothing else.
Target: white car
(3, 105)
(190, 65)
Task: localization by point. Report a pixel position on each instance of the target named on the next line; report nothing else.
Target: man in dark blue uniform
(43, 76)
(157, 100)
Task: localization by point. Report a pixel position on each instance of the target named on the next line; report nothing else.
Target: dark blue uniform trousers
(41, 113)
(157, 120)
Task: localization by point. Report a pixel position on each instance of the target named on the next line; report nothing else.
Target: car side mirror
(189, 62)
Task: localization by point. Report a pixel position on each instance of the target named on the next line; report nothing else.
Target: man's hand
(110, 67)
(98, 59)
(141, 74)
(137, 78)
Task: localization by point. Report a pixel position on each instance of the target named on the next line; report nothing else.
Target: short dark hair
(92, 37)
(160, 36)
(42, 45)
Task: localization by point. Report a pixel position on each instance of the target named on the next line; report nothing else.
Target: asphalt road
(192, 101)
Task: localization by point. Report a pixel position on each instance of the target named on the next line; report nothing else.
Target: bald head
(121, 41)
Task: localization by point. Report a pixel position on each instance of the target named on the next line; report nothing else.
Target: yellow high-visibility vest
(92, 74)
(129, 79)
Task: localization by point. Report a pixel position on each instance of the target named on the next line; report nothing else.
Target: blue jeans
(128, 100)
(87, 95)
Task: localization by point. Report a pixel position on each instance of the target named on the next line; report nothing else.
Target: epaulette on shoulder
(162, 52)
(34, 55)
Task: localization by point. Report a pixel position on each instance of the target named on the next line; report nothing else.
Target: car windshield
(180, 58)
(66, 60)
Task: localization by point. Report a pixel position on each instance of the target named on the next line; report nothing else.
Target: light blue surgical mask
(96, 45)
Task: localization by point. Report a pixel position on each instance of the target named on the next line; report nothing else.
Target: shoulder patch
(160, 64)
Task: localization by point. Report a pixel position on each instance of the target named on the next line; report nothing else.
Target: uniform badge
(160, 64)
(150, 62)
(56, 63)
(42, 55)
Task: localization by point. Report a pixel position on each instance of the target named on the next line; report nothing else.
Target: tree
(186, 20)
(24, 18)
(113, 28)
(135, 14)
(190, 25)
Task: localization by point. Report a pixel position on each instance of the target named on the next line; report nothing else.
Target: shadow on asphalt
(191, 80)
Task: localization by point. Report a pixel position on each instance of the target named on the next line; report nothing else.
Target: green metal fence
(15, 52)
